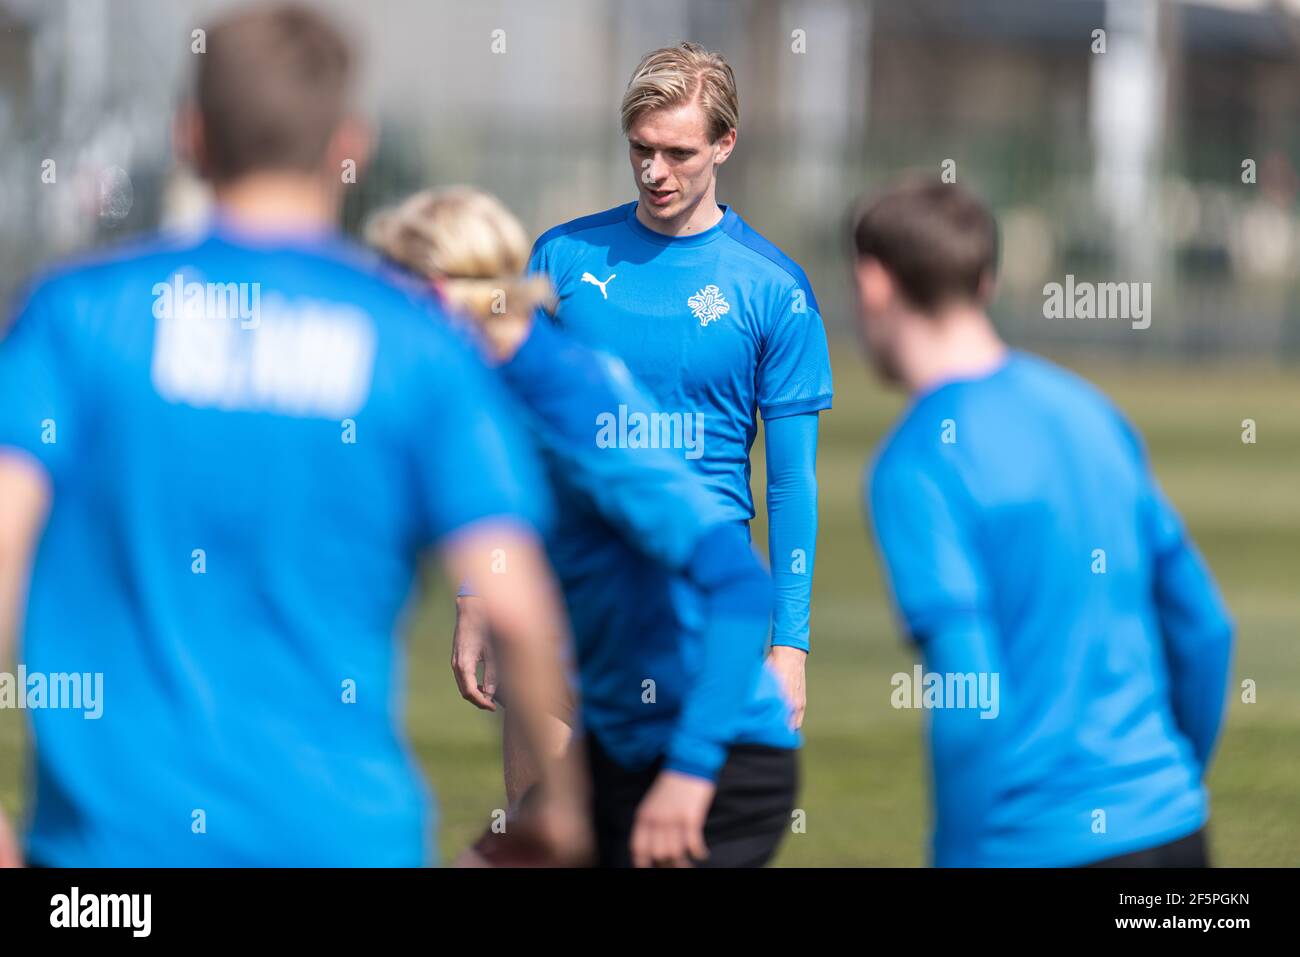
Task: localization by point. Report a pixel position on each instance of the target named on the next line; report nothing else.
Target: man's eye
(682, 154)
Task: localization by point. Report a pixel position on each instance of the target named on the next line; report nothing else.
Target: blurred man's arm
(736, 602)
(40, 419)
(24, 502)
(964, 741)
(1196, 627)
(484, 499)
(737, 599)
(660, 508)
(938, 587)
(521, 610)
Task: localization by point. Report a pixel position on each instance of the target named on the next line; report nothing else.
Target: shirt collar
(712, 234)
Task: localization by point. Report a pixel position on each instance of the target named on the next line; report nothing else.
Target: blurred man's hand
(669, 828)
(10, 854)
(469, 646)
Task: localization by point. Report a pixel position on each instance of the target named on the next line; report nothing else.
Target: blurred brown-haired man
(258, 434)
(1077, 649)
(271, 90)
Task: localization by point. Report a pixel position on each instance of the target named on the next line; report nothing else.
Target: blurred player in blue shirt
(691, 748)
(710, 318)
(1078, 645)
(244, 441)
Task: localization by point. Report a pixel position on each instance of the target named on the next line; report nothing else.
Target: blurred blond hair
(469, 241)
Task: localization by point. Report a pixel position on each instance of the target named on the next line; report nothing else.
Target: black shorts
(1187, 851)
(749, 816)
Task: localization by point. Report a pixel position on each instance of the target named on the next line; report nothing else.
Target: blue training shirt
(243, 480)
(629, 526)
(717, 327)
(1025, 538)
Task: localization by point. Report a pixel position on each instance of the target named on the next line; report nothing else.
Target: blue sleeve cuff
(699, 759)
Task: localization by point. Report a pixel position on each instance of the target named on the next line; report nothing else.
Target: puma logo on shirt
(588, 277)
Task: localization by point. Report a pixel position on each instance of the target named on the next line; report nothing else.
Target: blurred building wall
(837, 96)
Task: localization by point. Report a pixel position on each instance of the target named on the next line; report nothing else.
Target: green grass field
(864, 789)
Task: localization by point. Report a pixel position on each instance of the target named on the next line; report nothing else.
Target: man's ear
(350, 148)
(188, 140)
(988, 288)
(875, 285)
(725, 144)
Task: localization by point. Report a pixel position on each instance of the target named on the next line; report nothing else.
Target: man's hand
(669, 828)
(469, 646)
(10, 855)
(788, 663)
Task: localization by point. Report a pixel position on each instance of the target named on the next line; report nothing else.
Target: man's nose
(655, 170)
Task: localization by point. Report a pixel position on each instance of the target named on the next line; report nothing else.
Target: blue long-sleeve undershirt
(791, 450)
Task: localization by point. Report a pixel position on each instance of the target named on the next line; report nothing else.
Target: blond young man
(687, 733)
(713, 320)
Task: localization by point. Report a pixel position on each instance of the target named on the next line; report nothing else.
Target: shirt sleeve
(942, 600)
(472, 460)
(929, 555)
(1195, 624)
(542, 261)
(538, 261)
(794, 367)
(648, 494)
(965, 743)
(40, 411)
(654, 502)
(737, 599)
(791, 448)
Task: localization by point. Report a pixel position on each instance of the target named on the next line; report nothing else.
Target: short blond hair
(470, 241)
(683, 74)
